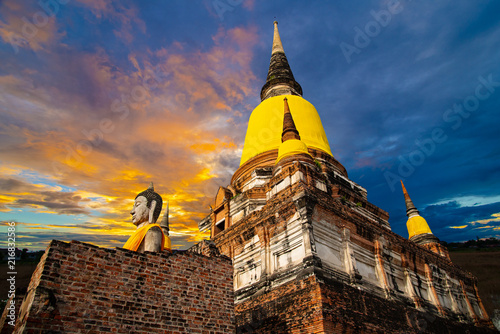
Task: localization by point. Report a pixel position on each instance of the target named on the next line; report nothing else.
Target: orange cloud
(172, 121)
(28, 26)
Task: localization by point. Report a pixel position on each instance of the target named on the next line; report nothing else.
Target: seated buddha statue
(149, 236)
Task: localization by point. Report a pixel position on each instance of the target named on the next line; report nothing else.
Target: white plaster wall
(424, 293)
(367, 271)
(328, 244)
(422, 290)
(286, 182)
(475, 305)
(238, 216)
(240, 208)
(255, 181)
(462, 305)
(249, 276)
(365, 262)
(459, 297)
(353, 185)
(321, 186)
(248, 264)
(298, 176)
(283, 184)
(394, 270)
(445, 300)
(287, 247)
(286, 258)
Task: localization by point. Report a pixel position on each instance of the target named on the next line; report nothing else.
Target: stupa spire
(289, 129)
(291, 145)
(411, 210)
(280, 80)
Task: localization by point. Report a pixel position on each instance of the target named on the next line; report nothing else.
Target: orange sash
(135, 239)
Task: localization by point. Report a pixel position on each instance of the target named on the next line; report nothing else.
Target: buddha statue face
(147, 207)
(140, 211)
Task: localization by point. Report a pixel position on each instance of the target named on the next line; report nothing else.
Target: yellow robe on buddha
(135, 239)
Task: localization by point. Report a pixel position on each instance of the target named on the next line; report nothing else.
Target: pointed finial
(277, 45)
(411, 210)
(151, 186)
(407, 197)
(280, 80)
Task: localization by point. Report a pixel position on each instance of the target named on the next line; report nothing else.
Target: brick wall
(80, 288)
(291, 308)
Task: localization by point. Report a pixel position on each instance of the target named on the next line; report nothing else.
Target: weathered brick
(127, 292)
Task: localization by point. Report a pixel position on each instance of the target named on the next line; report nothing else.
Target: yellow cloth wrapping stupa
(291, 147)
(417, 225)
(266, 125)
(135, 239)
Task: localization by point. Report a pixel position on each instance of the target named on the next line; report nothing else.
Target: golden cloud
(171, 121)
(496, 218)
(458, 227)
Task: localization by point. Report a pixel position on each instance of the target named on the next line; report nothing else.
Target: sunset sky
(99, 98)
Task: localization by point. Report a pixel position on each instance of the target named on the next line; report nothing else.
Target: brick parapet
(81, 288)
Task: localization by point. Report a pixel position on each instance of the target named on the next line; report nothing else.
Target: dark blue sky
(101, 98)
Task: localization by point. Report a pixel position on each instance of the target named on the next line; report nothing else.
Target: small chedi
(310, 253)
(149, 236)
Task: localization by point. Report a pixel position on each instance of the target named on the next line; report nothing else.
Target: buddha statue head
(147, 207)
